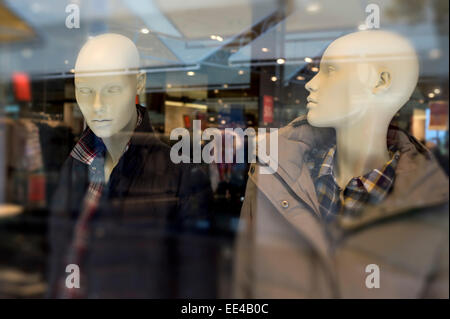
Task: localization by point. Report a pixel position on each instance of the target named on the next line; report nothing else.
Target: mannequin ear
(141, 78)
(383, 83)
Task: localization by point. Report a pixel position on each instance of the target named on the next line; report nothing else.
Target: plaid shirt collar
(371, 188)
(90, 146)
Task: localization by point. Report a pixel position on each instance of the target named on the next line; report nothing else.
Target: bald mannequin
(106, 83)
(364, 79)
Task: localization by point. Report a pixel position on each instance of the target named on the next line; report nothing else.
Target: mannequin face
(107, 102)
(338, 93)
(366, 75)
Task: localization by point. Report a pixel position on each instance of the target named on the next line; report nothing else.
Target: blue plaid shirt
(371, 188)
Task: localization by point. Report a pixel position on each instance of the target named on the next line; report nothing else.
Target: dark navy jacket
(143, 239)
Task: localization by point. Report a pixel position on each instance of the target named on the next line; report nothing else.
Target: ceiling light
(300, 78)
(281, 61)
(145, 31)
(308, 60)
(225, 85)
(216, 37)
(313, 8)
(265, 50)
(431, 95)
(216, 91)
(27, 53)
(169, 85)
(434, 54)
(190, 73)
(362, 27)
(241, 72)
(437, 91)
(273, 78)
(315, 69)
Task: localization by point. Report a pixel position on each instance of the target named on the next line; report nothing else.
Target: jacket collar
(419, 183)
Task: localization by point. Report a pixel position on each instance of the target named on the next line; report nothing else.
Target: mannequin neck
(361, 147)
(116, 144)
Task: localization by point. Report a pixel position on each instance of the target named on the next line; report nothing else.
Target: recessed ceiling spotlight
(313, 7)
(362, 27)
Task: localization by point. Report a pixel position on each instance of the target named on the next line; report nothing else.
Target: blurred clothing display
(34, 150)
(25, 170)
(286, 250)
(137, 234)
(132, 146)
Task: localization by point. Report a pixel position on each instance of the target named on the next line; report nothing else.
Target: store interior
(238, 63)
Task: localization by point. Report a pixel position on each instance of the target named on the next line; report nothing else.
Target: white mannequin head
(106, 83)
(367, 75)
